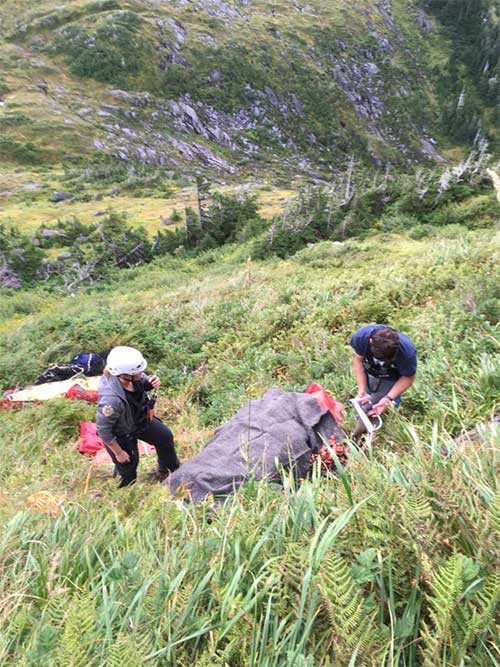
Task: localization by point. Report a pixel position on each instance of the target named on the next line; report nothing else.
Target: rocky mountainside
(246, 86)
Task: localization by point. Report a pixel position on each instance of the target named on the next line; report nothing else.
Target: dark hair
(384, 344)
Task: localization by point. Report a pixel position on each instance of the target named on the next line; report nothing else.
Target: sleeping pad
(281, 430)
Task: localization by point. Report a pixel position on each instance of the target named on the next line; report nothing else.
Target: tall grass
(135, 579)
(392, 562)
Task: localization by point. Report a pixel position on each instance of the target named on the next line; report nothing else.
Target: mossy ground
(29, 208)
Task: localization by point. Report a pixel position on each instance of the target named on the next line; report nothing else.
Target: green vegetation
(393, 562)
(229, 290)
(24, 153)
(420, 205)
(114, 52)
(151, 584)
(471, 83)
(336, 82)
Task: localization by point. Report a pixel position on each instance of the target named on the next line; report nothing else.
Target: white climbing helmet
(125, 360)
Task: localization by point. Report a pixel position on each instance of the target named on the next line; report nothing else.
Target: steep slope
(230, 86)
(394, 556)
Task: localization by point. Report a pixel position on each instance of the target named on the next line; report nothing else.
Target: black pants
(154, 433)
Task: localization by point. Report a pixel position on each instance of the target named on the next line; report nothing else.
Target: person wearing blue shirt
(384, 365)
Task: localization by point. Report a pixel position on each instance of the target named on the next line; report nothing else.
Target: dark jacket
(114, 414)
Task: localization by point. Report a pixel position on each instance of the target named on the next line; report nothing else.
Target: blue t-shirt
(406, 358)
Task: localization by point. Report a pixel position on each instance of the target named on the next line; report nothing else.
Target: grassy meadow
(390, 562)
(146, 200)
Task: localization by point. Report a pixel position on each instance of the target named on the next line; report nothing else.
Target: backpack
(90, 362)
(59, 372)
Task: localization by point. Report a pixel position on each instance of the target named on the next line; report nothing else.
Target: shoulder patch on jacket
(107, 410)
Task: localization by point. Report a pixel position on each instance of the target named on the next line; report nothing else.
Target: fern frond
(488, 603)
(56, 608)
(80, 621)
(480, 623)
(292, 569)
(447, 587)
(495, 513)
(419, 507)
(124, 652)
(353, 625)
(236, 648)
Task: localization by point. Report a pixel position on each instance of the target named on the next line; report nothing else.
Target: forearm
(400, 387)
(359, 374)
(114, 447)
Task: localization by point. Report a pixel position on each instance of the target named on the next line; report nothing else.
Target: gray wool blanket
(281, 430)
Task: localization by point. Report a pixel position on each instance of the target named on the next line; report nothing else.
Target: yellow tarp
(44, 392)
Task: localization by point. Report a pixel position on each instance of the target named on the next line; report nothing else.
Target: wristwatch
(392, 400)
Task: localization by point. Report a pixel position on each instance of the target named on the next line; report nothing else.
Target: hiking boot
(158, 475)
(162, 475)
(358, 436)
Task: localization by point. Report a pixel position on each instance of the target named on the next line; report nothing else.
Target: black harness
(380, 369)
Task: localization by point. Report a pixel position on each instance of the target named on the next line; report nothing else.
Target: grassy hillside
(378, 566)
(120, 103)
(333, 136)
(238, 86)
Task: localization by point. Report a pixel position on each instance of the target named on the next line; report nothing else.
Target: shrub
(23, 152)
(112, 54)
(19, 254)
(397, 222)
(226, 217)
(475, 212)
(422, 231)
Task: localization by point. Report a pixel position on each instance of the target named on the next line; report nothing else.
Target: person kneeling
(122, 415)
(384, 365)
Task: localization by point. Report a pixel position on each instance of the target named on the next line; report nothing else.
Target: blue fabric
(406, 358)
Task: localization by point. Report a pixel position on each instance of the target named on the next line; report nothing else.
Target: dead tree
(202, 197)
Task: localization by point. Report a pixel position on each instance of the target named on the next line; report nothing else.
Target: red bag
(7, 404)
(326, 401)
(79, 393)
(90, 442)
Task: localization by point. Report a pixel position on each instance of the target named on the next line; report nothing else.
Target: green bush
(474, 212)
(22, 152)
(19, 254)
(421, 231)
(113, 53)
(227, 218)
(397, 222)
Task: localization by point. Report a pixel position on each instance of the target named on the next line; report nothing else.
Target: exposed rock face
(361, 87)
(384, 8)
(172, 47)
(424, 22)
(361, 61)
(46, 233)
(9, 279)
(219, 8)
(196, 151)
(188, 120)
(60, 196)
